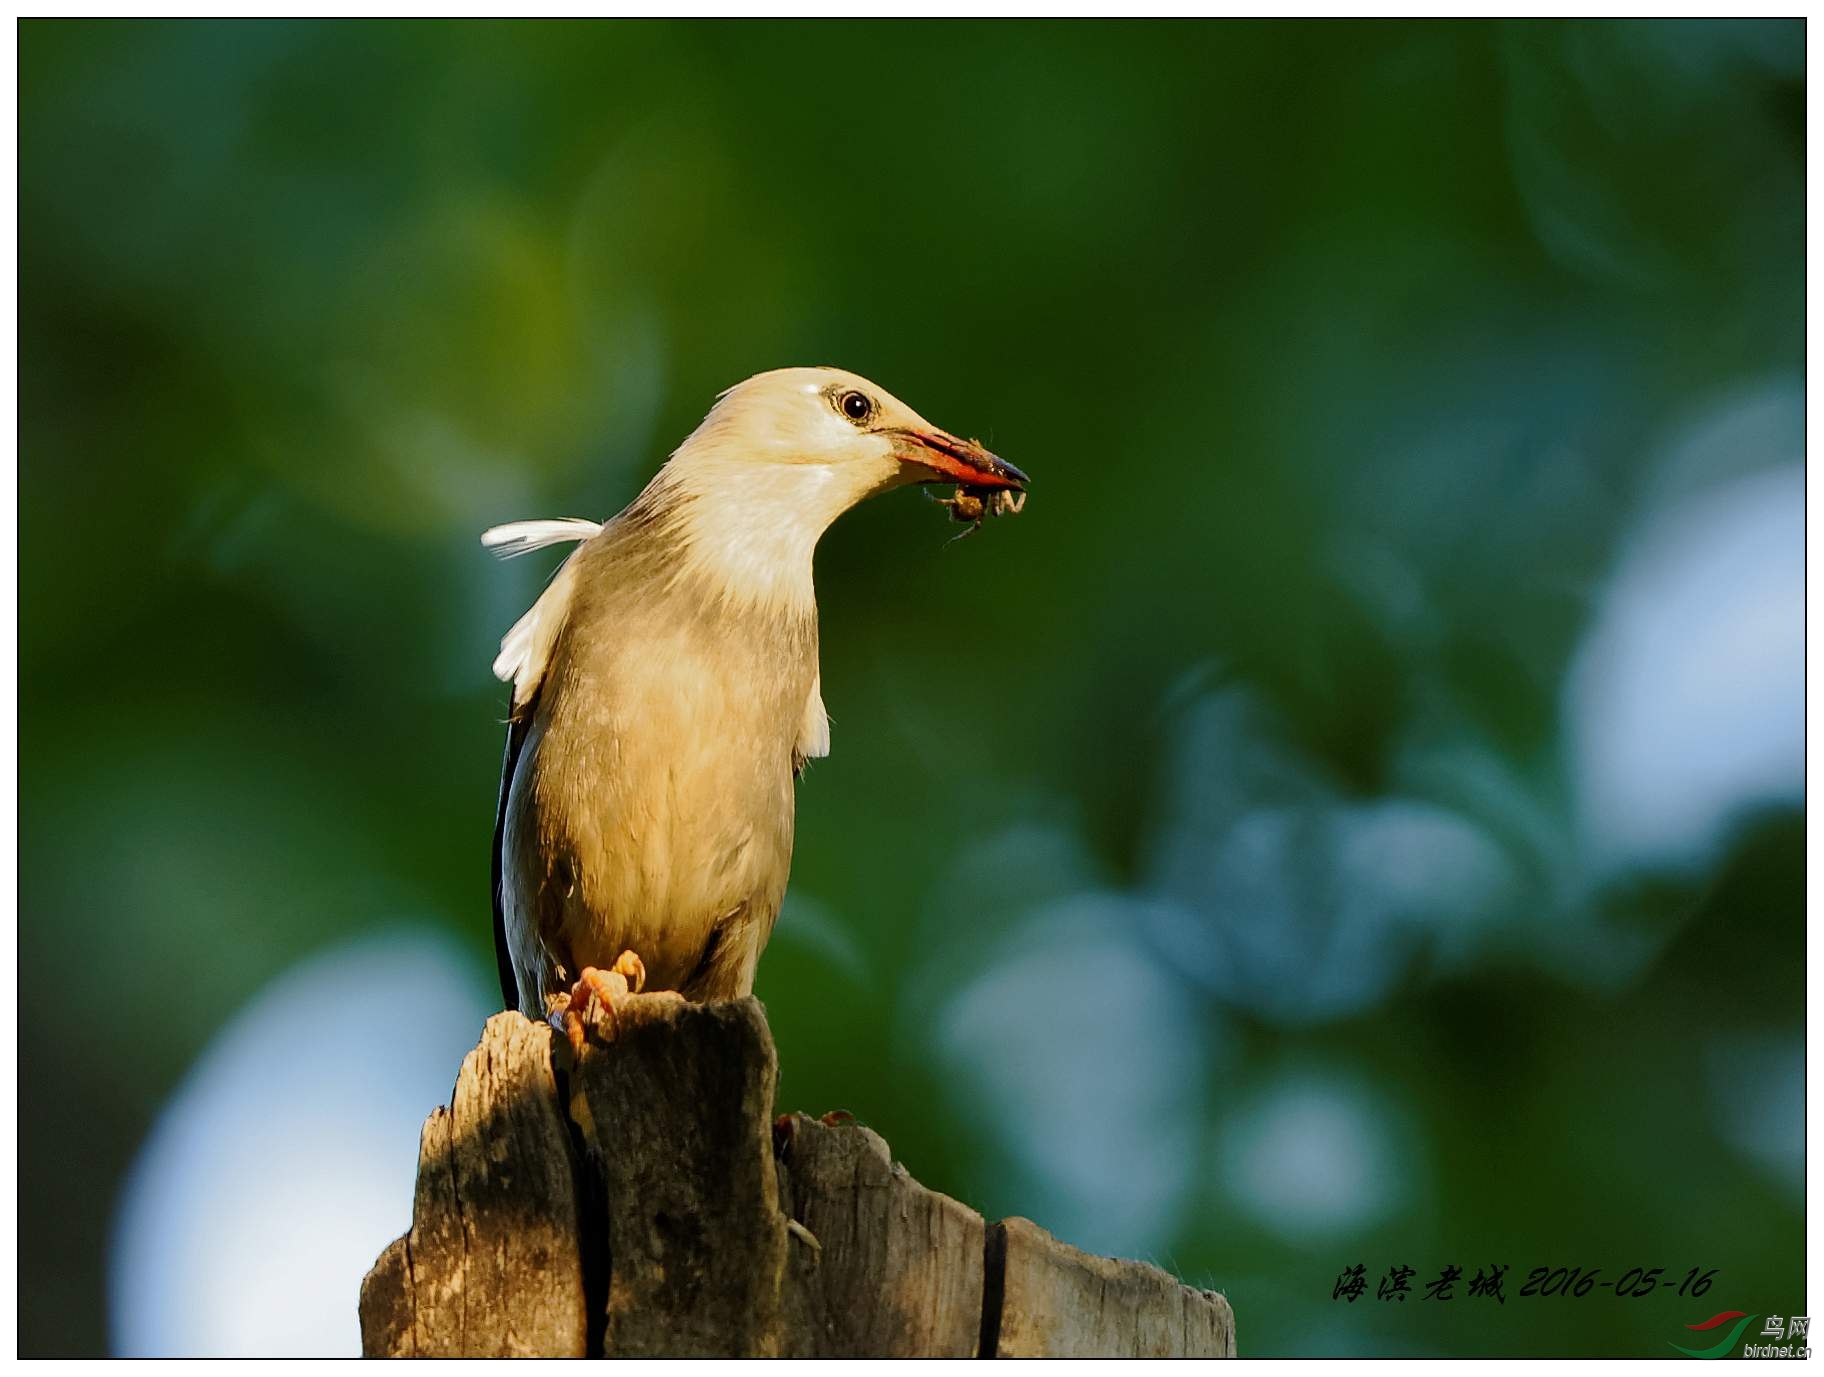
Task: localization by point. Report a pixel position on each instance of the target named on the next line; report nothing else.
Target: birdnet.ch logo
(1778, 1338)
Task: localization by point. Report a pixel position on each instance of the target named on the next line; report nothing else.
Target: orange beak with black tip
(951, 460)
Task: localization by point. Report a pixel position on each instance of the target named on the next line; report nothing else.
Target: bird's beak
(950, 460)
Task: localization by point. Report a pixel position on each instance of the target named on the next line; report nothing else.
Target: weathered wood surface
(1057, 1302)
(491, 1265)
(899, 1268)
(641, 1201)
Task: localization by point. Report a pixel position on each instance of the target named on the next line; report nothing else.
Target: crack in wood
(594, 1255)
(994, 1289)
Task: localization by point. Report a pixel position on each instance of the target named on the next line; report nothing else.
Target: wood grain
(898, 1269)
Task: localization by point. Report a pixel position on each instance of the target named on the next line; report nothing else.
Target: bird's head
(785, 453)
(829, 419)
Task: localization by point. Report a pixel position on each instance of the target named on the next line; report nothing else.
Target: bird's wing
(503, 953)
(525, 651)
(813, 731)
(526, 648)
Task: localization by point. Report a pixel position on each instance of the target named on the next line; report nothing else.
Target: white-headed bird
(666, 695)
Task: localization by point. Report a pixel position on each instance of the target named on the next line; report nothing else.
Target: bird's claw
(631, 969)
(592, 999)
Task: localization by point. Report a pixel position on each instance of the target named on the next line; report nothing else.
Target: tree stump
(641, 1201)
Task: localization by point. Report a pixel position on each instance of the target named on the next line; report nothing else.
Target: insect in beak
(974, 504)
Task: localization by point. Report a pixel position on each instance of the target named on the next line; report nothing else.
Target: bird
(666, 695)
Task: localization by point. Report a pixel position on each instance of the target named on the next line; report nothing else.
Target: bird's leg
(597, 990)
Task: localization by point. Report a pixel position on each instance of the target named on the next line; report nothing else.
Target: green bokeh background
(1344, 357)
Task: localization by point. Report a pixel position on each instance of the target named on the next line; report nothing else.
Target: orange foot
(592, 998)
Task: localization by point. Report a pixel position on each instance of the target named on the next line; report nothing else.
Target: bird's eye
(856, 406)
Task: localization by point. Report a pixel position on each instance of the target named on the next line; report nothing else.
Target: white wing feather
(523, 537)
(526, 647)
